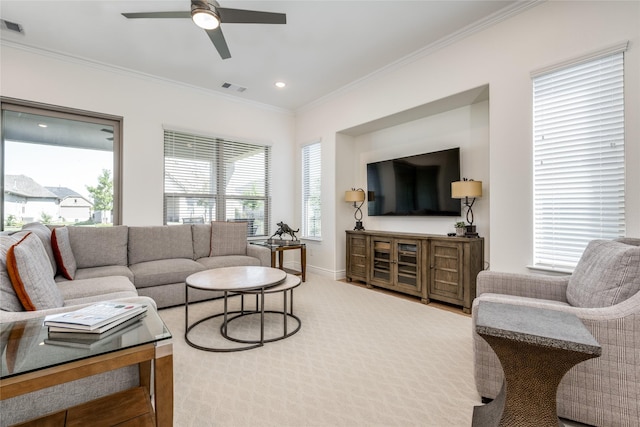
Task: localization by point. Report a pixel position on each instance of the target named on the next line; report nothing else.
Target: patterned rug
(361, 358)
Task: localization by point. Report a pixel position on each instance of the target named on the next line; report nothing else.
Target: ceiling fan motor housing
(204, 5)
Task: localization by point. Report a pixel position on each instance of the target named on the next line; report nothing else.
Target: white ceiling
(324, 46)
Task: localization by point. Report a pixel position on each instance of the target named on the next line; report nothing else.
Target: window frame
(58, 112)
(305, 228)
(557, 253)
(216, 154)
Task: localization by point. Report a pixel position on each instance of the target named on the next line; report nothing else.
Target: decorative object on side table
(466, 189)
(356, 196)
(283, 228)
(461, 228)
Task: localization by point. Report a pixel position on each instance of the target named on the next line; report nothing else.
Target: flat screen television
(417, 185)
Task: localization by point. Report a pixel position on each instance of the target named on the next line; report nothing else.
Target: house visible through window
(311, 191)
(214, 179)
(59, 166)
(579, 158)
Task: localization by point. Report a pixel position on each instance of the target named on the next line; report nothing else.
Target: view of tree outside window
(56, 171)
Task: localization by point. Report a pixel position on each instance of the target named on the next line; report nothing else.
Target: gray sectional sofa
(152, 261)
(138, 264)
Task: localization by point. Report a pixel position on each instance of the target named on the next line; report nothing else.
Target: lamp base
(470, 231)
(358, 226)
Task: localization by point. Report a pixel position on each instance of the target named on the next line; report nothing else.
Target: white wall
(148, 106)
(502, 56)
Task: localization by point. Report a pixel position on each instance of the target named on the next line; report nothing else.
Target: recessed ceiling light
(280, 84)
(42, 125)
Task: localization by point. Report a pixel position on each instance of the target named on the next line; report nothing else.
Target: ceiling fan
(208, 15)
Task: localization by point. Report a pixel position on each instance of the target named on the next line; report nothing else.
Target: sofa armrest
(14, 316)
(261, 252)
(523, 285)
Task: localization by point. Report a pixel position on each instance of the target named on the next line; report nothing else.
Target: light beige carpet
(361, 358)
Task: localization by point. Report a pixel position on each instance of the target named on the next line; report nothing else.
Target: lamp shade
(462, 189)
(354, 196)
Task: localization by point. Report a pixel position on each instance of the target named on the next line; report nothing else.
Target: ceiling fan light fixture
(205, 19)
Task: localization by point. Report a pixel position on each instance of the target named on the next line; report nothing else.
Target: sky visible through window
(53, 166)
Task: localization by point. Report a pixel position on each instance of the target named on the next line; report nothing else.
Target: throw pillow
(228, 238)
(8, 299)
(31, 276)
(608, 273)
(62, 251)
(44, 234)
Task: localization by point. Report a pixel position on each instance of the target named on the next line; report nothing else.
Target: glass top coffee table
(253, 280)
(32, 362)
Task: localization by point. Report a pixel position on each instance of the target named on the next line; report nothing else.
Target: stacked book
(91, 325)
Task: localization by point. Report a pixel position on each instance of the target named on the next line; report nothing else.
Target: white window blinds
(311, 190)
(578, 134)
(214, 179)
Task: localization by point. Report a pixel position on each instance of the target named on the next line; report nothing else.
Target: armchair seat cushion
(608, 273)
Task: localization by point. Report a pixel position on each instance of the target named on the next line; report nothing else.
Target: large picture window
(215, 179)
(59, 166)
(311, 191)
(579, 178)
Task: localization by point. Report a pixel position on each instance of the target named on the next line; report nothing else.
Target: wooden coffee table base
(129, 407)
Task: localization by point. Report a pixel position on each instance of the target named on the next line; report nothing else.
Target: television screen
(414, 185)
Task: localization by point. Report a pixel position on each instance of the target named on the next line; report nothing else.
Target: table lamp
(356, 196)
(466, 189)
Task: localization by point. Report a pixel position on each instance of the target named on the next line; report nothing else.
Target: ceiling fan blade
(240, 16)
(219, 42)
(157, 15)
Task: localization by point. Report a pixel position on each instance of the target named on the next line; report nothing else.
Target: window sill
(312, 239)
(556, 271)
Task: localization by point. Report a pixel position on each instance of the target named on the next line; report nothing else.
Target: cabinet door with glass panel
(381, 257)
(407, 255)
(395, 264)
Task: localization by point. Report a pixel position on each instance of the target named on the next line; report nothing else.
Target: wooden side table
(536, 347)
(279, 248)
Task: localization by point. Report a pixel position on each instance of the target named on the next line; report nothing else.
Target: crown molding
(475, 27)
(102, 66)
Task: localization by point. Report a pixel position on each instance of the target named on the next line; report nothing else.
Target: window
(311, 191)
(214, 179)
(59, 166)
(578, 134)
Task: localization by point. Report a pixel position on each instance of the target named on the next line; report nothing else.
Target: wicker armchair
(604, 292)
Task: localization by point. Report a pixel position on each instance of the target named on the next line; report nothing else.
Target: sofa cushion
(608, 273)
(201, 240)
(62, 250)
(162, 272)
(98, 286)
(228, 261)
(104, 271)
(8, 299)
(31, 274)
(228, 238)
(99, 246)
(160, 242)
(44, 234)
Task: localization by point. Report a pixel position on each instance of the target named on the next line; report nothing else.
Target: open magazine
(96, 318)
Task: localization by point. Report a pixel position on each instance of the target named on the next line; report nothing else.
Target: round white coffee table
(252, 279)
